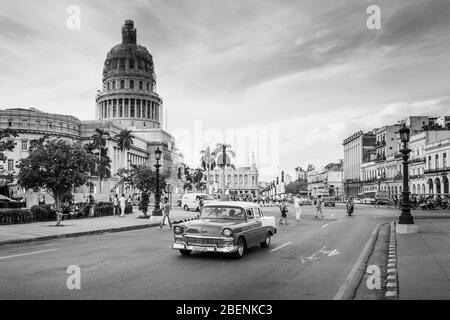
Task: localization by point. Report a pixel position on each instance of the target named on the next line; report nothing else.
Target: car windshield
(207, 197)
(222, 212)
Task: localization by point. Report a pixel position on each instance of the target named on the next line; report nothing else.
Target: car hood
(209, 227)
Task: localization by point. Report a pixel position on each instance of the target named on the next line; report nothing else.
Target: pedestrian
(165, 211)
(284, 210)
(318, 203)
(298, 208)
(122, 202)
(116, 205)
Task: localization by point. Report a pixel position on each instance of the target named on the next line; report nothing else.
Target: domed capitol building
(127, 101)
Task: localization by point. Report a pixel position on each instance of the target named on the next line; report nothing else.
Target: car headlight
(178, 230)
(227, 232)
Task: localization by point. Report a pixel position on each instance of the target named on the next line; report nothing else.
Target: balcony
(438, 170)
(380, 144)
(417, 160)
(380, 158)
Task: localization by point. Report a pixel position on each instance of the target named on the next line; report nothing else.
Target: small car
(227, 227)
(329, 202)
(190, 202)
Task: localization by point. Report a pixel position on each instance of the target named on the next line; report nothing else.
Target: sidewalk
(423, 264)
(18, 233)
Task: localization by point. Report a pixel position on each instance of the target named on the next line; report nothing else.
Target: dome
(129, 57)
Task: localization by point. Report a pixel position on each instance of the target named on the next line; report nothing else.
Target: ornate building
(127, 101)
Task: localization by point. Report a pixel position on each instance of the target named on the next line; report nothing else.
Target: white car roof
(242, 204)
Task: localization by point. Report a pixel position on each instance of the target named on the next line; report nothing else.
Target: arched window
(122, 84)
(114, 85)
(131, 84)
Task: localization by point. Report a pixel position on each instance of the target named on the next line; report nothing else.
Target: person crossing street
(318, 203)
(298, 208)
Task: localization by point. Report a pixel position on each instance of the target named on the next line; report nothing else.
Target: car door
(253, 227)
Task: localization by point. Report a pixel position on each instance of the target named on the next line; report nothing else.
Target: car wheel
(186, 208)
(185, 252)
(241, 248)
(266, 242)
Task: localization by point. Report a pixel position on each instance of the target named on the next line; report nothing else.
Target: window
(141, 85)
(250, 214)
(107, 85)
(131, 63)
(131, 84)
(24, 145)
(50, 125)
(122, 84)
(114, 85)
(148, 86)
(122, 63)
(444, 160)
(10, 165)
(436, 162)
(10, 122)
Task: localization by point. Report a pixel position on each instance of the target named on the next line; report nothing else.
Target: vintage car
(228, 227)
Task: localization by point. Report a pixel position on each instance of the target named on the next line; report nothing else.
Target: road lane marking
(324, 226)
(282, 246)
(27, 254)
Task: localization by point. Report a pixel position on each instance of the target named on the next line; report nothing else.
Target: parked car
(228, 227)
(190, 202)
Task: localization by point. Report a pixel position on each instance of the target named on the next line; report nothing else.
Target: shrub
(9, 216)
(43, 212)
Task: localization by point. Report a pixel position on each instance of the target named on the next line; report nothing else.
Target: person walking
(284, 210)
(122, 203)
(116, 205)
(298, 208)
(165, 211)
(318, 204)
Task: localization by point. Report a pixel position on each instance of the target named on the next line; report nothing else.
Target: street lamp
(406, 220)
(157, 210)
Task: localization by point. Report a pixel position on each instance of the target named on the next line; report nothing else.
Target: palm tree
(103, 169)
(124, 142)
(208, 162)
(223, 154)
(99, 142)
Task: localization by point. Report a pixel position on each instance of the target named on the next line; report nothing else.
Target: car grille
(203, 241)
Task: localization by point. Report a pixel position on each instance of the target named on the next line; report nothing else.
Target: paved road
(306, 260)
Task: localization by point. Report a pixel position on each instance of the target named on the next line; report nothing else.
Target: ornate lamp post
(406, 220)
(157, 210)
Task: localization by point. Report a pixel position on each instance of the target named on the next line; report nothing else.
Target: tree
(124, 142)
(99, 143)
(143, 178)
(195, 180)
(296, 186)
(38, 142)
(58, 166)
(103, 169)
(223, 154)
(6, 144)
(208, 162)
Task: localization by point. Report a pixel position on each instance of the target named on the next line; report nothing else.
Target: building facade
(356, 149)
(327, 181)
(127, 101)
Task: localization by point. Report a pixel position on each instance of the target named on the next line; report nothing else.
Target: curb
(348, 289)
(185, 220)
(79, 234)
(392, 279)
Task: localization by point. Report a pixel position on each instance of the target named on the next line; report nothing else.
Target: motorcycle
(350, 209)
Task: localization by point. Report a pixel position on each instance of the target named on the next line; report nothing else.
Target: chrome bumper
(203, 248)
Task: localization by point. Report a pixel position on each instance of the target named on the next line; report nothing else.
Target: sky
(302, 74)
